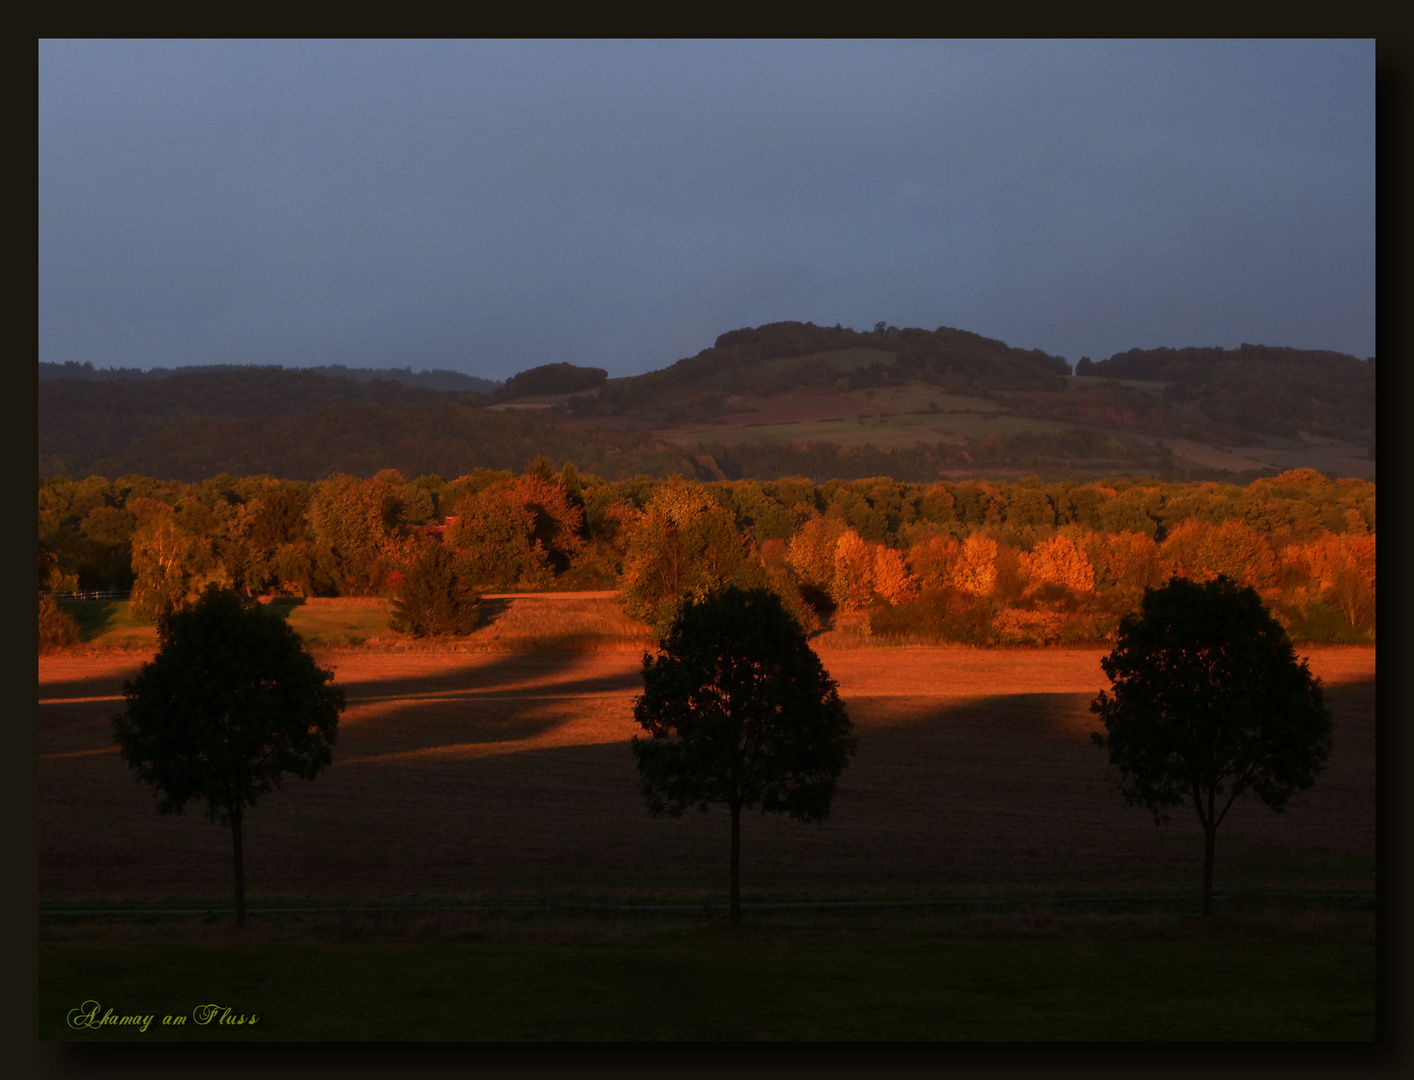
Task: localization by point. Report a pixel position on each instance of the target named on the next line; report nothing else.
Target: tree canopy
(739, 710)
(230, 703)
(1209, 702)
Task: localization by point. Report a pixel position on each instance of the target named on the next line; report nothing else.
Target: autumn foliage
(980, 561)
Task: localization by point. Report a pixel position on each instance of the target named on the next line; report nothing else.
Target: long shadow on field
(549, 672)
(489, 704)
(985, 795)
(402, 702)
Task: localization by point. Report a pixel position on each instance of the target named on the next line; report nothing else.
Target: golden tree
(852, 587)
(1058, 560)
(975, 571)
(892, 579)
(1200, 551)
(1342, 570)
(811, 552)
(1132, 560)
(932, 559)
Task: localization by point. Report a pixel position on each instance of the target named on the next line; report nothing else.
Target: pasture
(493, 781)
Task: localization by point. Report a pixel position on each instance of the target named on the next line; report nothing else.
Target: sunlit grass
(339, 624)
(110, 623)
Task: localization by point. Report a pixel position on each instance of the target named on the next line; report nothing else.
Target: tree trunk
(240, 868)
(736, 865)
(1210, 837)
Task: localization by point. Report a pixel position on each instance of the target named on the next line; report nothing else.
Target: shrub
(432, 598)
(936, 615)
(57, 628)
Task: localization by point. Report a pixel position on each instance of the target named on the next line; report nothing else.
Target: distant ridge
(435, 379)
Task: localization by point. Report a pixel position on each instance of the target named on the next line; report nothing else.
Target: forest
(996, 563)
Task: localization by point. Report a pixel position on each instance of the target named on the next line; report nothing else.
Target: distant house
(435, 532)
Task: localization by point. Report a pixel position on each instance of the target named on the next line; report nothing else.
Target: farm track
(482, 777)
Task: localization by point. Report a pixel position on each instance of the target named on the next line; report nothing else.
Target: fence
(108, 594)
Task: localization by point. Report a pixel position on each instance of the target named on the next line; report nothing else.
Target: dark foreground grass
(1017, 978)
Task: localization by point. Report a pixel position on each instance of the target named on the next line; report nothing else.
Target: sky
(486, 207)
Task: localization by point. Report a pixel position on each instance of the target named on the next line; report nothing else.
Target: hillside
(792, 358)
(782, 399)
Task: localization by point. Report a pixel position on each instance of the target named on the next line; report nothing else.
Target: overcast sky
(490, 206)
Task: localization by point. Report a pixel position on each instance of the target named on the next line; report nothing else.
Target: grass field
(504, 777)
(930, 979)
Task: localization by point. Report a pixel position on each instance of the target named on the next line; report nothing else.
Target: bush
(57, 628)
(1317, 622)
(431, 598)
(937, 615)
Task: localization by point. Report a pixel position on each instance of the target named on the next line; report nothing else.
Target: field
(495, 783)
(900, 417)
(508, 774)
(564, 620)
(887, 417)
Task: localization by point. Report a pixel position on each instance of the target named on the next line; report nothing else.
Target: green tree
(230, 703)
(1209, 701)
(354, 524)
(739, 711)
(171, 564)
(432, 598)
(683, 547)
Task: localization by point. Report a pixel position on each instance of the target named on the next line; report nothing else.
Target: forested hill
(435, 379)
(788, 357)
(1257, 388)
(83, 421)
(783, 399)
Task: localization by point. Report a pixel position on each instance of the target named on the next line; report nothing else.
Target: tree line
(990, 563)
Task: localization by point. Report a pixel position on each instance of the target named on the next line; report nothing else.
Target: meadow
(482, 818)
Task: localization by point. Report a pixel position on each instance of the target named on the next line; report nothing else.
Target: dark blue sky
(487, 207)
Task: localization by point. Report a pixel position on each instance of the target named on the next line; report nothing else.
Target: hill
(793, 358)
(783, 399)
(1254, 390)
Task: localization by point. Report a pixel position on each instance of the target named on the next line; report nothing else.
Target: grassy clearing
(339, 624)
(111, 624)
(1018, 978)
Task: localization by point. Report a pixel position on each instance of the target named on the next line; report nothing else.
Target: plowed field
(498, 775)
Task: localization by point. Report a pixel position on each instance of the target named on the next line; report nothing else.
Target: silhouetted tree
(229, 704)
(740, 711)
(1209, 701)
